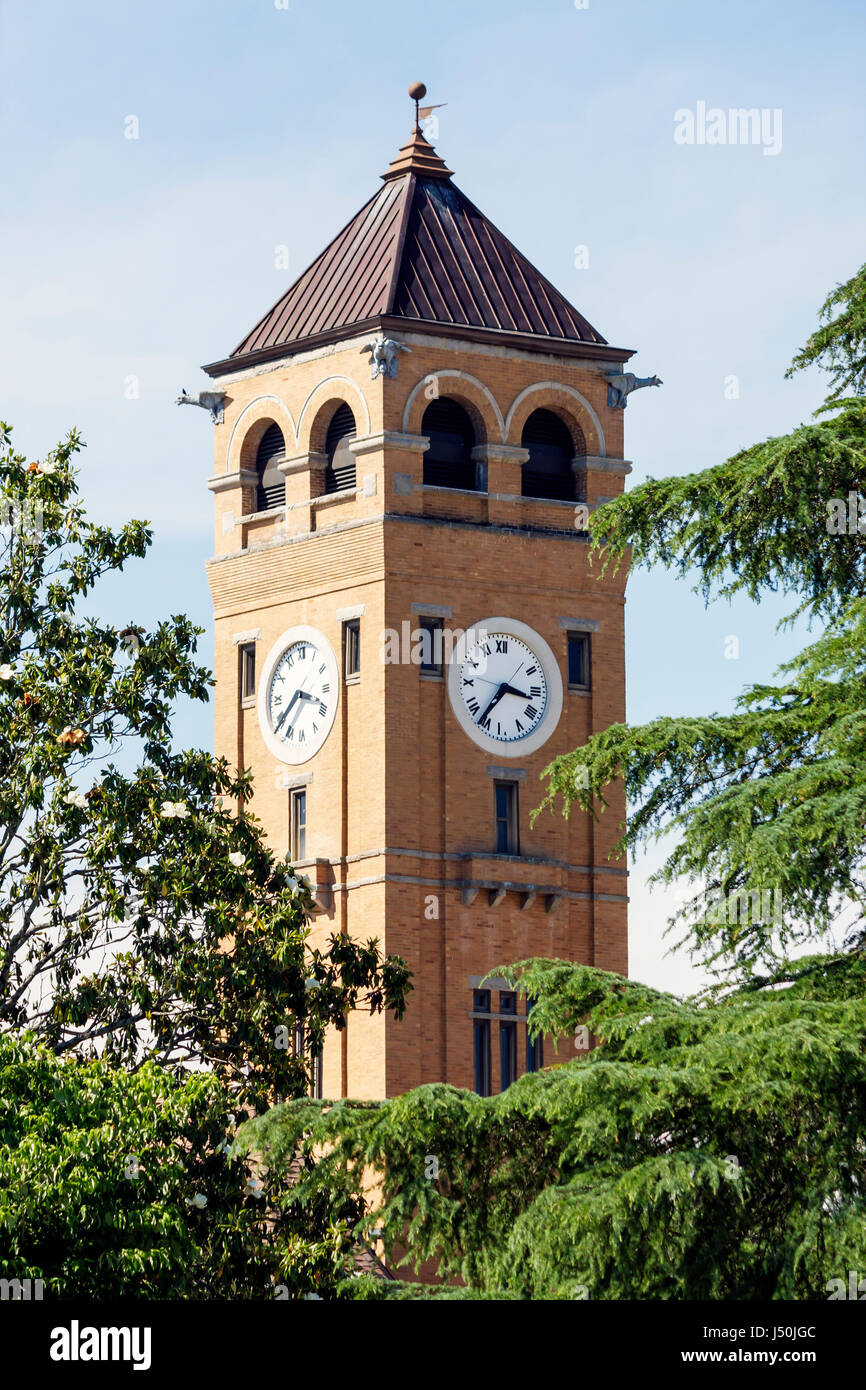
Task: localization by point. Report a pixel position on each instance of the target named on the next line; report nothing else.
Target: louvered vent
(272, 485)
(548, 471)
(448, 462)
(340, 472)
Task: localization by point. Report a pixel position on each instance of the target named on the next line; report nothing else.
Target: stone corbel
(303, 463)
(470, 893)
(495, 896)
(245, 477)
(552, 902)
(527, 899)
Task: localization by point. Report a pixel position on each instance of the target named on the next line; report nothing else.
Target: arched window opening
(548, 471)
(272, 485)
(449, 462)
(340, 472)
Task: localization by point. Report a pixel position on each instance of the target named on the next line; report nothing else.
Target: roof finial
(417, 91)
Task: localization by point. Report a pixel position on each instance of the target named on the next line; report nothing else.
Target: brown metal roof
(420, 252)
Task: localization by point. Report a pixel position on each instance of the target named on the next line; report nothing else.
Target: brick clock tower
(408, 445)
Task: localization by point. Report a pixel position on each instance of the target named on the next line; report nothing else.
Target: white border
(550, 666)
(291, 635)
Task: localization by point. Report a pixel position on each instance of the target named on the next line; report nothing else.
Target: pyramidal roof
(419, 255)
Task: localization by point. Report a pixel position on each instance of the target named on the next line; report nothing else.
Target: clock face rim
(511, 627)
(301, 632)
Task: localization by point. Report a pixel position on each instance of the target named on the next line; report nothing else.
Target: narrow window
(431, 646)
(482, 1056)
(481, 1005)
(548, 472)
(316, 1068)
(534, 1047)
(505, 801)
(297, 824)
(578, 661)
(247, 658)
(507, 1053)
(352, 648)
(316, 1060)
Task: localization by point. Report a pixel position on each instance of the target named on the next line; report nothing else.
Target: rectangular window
(352, 648)
(316, 1060)
(247, 658)
(578, 661)
(508, 1053)
(534, 1049)
(431, 646)
(482, 1056)
(505, 800)
(298, 824)
(316, 1067)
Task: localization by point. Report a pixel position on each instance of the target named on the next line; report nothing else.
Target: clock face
(298, 694)
(505, 686)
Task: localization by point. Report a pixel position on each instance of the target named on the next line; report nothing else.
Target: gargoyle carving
(208, 400)
(383, 356)
(621, 384)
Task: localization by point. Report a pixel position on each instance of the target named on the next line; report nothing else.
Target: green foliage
(772, 798)
(142, 912)
(707, 1148)
(118, 1184)
(703, 1150)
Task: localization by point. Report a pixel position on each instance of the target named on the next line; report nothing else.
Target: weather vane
(417, 90)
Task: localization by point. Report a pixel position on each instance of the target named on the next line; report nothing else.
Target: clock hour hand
(510, 690)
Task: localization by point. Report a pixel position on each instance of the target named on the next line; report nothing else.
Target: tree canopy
(142, 913)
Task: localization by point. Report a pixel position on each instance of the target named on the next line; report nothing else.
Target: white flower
(237, 859)
(293, 884)
(48, 467)
(76, 799)
(312, 983)
(199, 1201)
(174, 810)
(6, 672)
(254, 1188)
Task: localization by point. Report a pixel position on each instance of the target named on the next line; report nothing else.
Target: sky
(125, 263)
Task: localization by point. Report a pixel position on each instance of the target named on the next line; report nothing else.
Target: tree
(703, 1149)
(772, 798)
(709, 1147)
(120, 1184)
(141, 912)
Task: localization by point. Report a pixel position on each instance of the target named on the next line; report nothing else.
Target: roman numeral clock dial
(505, 686)
(298, 694)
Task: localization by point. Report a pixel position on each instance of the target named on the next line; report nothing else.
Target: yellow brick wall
(397, 773)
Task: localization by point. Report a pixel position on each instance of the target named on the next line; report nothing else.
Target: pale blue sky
(262, 126)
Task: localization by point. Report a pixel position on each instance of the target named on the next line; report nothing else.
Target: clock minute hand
(510, 690)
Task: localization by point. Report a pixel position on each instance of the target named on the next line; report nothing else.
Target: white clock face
(298, 694)
(505, 686)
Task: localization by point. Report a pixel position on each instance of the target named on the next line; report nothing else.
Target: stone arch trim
(333, 388)
(564, 400)
(251, 425)
(474, 395)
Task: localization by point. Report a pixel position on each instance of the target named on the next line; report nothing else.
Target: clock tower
(408, 446)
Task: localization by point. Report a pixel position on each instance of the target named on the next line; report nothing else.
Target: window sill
(580, 690)
(436, 677)
(352, 680)
(248, 702)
